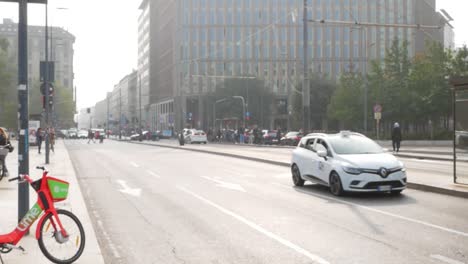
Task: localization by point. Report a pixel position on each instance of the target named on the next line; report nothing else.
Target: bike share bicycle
(59, 232)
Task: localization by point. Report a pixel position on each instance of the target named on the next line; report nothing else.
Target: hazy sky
(106, 37)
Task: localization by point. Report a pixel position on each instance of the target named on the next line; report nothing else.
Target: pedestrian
(278, 135)
(39, 139)
(396, 137)
(5, 142)
(91, 136)
(52, 138)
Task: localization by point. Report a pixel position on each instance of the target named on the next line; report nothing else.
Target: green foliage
(8, 97)
(321, 91)
(346, 105)
(258, 97)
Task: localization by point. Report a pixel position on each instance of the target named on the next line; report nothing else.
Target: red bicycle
(59, 232)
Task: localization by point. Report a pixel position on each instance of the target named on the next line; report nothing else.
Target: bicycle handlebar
(14, 179)
(41, 168)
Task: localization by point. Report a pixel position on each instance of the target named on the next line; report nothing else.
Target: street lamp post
(243, 108)
(214, 111)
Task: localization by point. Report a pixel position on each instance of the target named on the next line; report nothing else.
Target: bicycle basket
(58, 189)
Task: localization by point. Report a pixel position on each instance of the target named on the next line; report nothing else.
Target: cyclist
(4, 142)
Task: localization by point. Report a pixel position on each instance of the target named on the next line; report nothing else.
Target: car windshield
(292, 134)
(353, 144)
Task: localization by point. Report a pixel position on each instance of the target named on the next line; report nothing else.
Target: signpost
(378, 117)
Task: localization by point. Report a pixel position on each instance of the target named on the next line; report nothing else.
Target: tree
(346, 104)
(258, 97)
(8, 98)
(321, 91)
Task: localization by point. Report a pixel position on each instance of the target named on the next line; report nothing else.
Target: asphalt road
(159, 205)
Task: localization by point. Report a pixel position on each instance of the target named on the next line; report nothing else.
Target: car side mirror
(322, 153)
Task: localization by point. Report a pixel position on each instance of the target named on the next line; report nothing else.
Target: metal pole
(23, 146)
(454, 110)
(366, 84)
(120, 113)
(107, 119)
(140, 100)
(47, 86)
(305, 83)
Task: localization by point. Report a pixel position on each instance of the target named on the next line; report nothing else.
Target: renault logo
(383, 172)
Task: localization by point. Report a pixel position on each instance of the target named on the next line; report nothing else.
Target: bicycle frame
(44, 206)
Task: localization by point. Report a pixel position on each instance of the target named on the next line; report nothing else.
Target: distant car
(195, 136)
(270, 137)
(291, 138)
(82, 134)
(62, 133)
(73, 133)
(346, 162)
(461, 139)
(101, 133)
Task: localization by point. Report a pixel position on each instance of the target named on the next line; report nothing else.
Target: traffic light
(50, 90)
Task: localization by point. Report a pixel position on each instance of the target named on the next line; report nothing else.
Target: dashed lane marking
(441, 228)
(284, 242)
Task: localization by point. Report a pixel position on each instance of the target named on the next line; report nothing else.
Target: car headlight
(352, 170)
(402, 166)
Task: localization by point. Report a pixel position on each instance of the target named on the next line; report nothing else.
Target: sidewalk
(418, 179)
(61, 167)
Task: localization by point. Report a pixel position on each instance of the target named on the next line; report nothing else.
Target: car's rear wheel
(296, 176)
(336, 188)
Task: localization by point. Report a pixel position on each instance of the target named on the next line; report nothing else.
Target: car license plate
(384, 188)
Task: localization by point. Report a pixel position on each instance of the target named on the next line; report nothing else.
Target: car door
(323, 166)
(303, 155)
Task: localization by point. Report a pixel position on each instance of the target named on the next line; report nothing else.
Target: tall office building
(187, 43)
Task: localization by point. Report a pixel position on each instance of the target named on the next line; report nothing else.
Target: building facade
(194, 45)
(124, 105)
(60, 51)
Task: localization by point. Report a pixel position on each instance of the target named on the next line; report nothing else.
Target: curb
(415, 186)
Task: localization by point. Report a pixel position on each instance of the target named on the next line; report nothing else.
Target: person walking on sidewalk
(39, 139)
(5, 142)
(91, 136)
(52, 138)
(396, 137)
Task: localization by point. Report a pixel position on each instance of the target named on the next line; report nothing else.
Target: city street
(157, 205)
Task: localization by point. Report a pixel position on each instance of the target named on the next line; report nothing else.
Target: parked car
(270, 137)
(73, 133)
(291, 138)
(195, 136)
(82, 134)
(461, 139)
(347, 162)
(138, 136)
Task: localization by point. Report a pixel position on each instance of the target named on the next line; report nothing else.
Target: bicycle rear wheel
(54, 246)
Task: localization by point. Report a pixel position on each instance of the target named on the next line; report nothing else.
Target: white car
(82, 134)
(346, 162)
(195, 136)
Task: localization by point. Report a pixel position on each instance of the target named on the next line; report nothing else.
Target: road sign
(377, 108)
(247, 114)
(377, 115)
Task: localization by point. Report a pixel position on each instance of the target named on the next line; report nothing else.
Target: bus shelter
(460, 135)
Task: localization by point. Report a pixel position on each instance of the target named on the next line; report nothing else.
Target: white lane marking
(446, 229)
(446, 260)
(126, 189)
(227, 185)
(106, 236)
(153, 174)
(259, 229)
(134, 164)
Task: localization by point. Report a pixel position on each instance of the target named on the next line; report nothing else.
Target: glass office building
(198, 43)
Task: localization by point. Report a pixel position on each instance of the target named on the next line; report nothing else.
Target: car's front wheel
(336, 188)
(296, 176)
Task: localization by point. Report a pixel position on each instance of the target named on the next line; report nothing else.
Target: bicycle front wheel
(54, 245)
